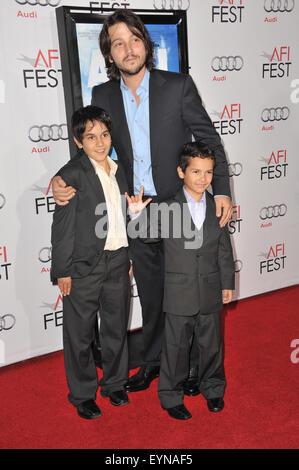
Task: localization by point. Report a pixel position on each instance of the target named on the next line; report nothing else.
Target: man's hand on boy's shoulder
(224, 207)
(62, 193)
(227, 295)
(65, 284)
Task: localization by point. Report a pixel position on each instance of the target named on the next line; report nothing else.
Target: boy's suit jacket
(194, 278)
(176, 113)
(75, 247)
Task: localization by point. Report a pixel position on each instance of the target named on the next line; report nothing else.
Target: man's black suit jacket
(195, 275)
(76, 249)
(176, 113)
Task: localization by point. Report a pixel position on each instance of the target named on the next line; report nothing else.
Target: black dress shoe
(215, 404)
(89, 410)
(119, 398)
(179, 412)
(143, 378)
(191, 386)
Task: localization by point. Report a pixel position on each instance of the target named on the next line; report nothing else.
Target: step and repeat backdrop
(243, 57)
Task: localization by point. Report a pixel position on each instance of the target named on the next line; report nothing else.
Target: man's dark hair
(192, 150)
(136, 26)
(85, 114)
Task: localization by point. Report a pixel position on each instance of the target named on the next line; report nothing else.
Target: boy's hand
(61, 192)
(135, 202)
(227, 296)
(65, 284)
(224, 207)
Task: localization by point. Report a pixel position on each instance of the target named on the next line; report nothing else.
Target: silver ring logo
(2, 201)
(235, 169)
(275, 114)
(45, 255)
(171, 4)
(238, 265)
(273, 211)
(46, 133)
(227, 63)
(279, 5)
(7, 322)
(42, 3)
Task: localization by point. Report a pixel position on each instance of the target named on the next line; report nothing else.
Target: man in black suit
(199, 277)
(153, 114)
(91, 266)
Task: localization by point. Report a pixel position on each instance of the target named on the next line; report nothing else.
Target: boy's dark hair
(85, 114)
(136, 26)
(192, 150)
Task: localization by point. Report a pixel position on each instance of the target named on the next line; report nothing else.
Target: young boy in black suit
(199, 278)
(91, 266)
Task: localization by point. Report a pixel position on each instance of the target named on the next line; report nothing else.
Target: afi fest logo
(4, 264)
(56, 313)
(274, 259)
(279, 63)
(276, 166)
(228, 11)
(44, 203)
(234, 225)
(43, 72)
(230, 119)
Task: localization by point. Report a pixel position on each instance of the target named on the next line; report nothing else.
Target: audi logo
(279, 210)
(171, 4)
(45, 255)
(238, 265)
(235, 169)
(45, 133)
(2, 201)
(7, 322)
(227, 63)
(275, 114)
(42, 3)
(279, 5)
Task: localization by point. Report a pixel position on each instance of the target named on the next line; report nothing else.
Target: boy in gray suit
(199, 278)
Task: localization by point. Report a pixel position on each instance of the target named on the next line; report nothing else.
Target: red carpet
(261, 402)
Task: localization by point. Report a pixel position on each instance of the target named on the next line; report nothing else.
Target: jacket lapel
(156, 99)
(119, 120)
(92, 177)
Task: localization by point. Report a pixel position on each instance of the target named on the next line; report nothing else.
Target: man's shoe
(179, 412)
(119, 398)
(89, 410)
(215, 404)
(143, 378)
(191, 386)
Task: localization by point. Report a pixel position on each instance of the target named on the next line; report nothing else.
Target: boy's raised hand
(135, 203)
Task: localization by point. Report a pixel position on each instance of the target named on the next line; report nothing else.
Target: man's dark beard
(132, 72)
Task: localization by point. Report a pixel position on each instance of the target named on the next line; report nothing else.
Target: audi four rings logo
(45, 133)
(235, 169)
(7, 322)
(227, 63)
(275, 114)
(279, 210)
(2, 201)
(42, 3)
(238, 265)
(45, 255)
(279, 5)
(171, 4)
